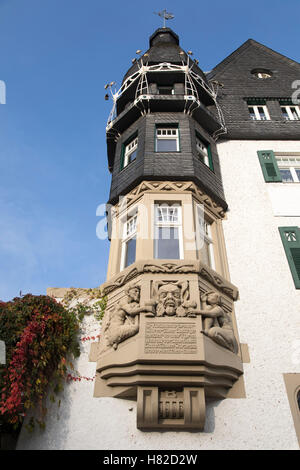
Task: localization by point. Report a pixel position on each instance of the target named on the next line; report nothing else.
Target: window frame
(288, 166)
(168, 224)
(125, 156)
(256, 112)
(166, 127)
(126, 237)
(289, 112)
(208, 237)
(209, 163)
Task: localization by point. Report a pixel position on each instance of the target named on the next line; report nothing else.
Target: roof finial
(165, 15)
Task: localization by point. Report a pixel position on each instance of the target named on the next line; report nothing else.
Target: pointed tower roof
(164, 47)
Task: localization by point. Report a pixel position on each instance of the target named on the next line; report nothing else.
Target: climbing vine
(41, 338)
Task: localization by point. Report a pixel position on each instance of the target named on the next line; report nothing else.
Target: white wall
(268, 321)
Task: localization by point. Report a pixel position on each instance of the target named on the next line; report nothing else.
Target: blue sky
(56, 56)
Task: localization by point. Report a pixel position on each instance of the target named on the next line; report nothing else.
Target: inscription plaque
(170, 338)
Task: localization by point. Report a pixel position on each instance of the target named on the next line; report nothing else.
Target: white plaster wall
(268, 321)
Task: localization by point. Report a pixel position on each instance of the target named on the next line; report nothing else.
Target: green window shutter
(290, 237)
(269, 166)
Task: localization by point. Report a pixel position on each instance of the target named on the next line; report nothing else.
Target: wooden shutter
(269, 166)
(290, 237)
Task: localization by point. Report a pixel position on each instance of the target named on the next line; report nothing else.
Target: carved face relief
(169, 298)
(213, 298)
(134, 294)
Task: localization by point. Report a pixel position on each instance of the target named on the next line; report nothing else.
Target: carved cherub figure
(217, 324)
(123, 318)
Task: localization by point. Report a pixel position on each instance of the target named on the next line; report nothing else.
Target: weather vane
(165, 15)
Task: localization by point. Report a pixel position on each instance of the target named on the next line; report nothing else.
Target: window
(289, 168)
(259, 113)
(290, 237)
(166, 90)
(279, 168)
(204, 241)
(204, 152)
(129, 242)
(262, 73)
(290, 113)
(167, 139)
(129, 152)
(168, 231)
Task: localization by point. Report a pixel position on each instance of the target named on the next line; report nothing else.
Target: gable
(235, 71)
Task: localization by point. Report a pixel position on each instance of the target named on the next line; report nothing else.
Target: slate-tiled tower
(167, 262)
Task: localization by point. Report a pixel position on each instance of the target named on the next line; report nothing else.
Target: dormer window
(259, 113)
(290, 113)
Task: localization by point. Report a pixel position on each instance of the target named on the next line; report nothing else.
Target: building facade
(201, 329)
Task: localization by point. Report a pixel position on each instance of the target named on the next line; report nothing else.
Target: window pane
(130, 252)
(132, 156)
(252, 113)
(294, 113)
(286, 175)
(297, 170)
(285, 113)
(166, 145)
(261, 111)
(166, 243)
(167, 214)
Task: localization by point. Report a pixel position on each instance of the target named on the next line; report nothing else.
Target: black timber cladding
(239, 84)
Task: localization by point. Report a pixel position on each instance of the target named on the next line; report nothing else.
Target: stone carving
(169, 268)
(219, 282)
(141, 267)
(217, 324)
(171, 299)
(123, 318)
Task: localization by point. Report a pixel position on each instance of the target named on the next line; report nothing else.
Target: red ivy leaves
(38, 353)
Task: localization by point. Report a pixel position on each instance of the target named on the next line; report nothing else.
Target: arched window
(298, 399)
